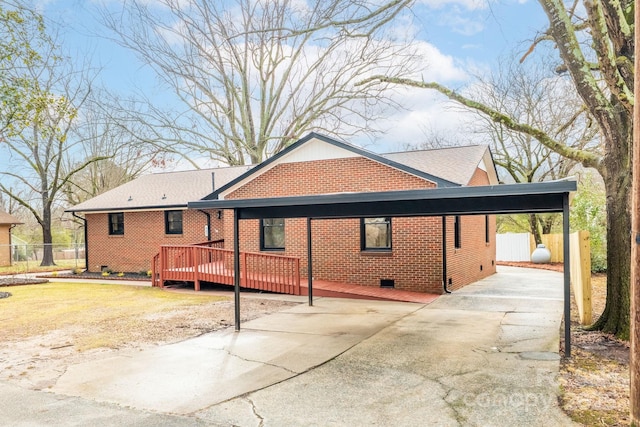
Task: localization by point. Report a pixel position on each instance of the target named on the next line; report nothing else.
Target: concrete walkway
(485, 355)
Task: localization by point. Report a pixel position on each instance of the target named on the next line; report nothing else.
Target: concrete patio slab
(194, 374)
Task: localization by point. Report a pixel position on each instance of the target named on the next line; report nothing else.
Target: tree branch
(586, 158)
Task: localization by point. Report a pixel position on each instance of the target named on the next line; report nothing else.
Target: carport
(481, 200)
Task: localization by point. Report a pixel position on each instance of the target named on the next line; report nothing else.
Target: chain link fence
(26, 258)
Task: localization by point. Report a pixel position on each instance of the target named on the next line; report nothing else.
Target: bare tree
(35, 174)
(595, 44)
(253, 76)
(130, 152)
(541, 99)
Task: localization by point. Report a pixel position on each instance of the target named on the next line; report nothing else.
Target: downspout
(86, 241)
(208, 224)
(444, 255)
(213, 188)
(11, 227)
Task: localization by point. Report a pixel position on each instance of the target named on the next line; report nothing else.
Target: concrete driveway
(485, 355)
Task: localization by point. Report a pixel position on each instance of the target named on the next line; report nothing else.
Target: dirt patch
(35, 356)
(595, 380)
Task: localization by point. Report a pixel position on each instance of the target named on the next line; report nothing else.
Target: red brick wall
(475, 258)
(415, 263)
(356, 174)
(143, 234)
(5, 241)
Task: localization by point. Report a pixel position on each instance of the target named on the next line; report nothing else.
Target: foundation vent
(387, 283)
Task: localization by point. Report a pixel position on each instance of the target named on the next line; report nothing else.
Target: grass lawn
(96, 315)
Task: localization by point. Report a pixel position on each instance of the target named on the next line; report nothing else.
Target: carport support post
(567, 275)
(309, 263)
(236, 267)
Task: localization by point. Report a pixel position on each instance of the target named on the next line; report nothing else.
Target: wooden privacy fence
(580, 265)
(519, 246)
(194, 263)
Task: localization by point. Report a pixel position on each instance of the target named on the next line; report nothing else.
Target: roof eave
(129, 208)
(312, 135)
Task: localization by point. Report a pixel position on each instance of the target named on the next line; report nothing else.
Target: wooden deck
(265, 272)
(193, 263)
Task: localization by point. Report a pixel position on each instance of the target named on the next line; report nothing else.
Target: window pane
(116, 223)
(273, 233)
(173, 222)
(377, 233)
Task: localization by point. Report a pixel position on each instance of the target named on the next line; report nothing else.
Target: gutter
(86, 241)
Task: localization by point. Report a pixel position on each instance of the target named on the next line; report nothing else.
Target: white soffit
(488, 166)
(315, 150)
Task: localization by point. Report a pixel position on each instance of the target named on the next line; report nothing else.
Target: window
(375, 234)
(116, 224)
(272, 234)
(456, 232)
(486, 228)
(173, 222)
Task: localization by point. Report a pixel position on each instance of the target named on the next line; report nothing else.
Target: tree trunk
(615, 317)
(47, 238)
(547, 223)
(535, 230)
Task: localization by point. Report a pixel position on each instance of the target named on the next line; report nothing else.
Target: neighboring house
(406, 253)
(7, 222)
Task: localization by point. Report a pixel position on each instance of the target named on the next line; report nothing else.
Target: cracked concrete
(483, 356)
(194, 374)
(454, 362)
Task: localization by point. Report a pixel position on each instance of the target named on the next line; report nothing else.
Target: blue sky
(463, 36)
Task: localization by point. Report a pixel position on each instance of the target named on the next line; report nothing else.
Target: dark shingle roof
(446, 167)
(455, 164)
(161, 190)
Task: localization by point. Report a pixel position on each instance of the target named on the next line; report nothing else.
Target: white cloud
(466, 4)
(438, 66)
(461, 24)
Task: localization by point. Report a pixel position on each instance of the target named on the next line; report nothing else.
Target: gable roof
(161, 190)
(341, 145)
(6, 218)
(455, 164)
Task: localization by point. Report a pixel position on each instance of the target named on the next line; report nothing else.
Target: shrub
(106, 273)
(121, 274)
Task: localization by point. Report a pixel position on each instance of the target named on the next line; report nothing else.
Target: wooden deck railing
(212, 244)
(194, 263)
(155, 270)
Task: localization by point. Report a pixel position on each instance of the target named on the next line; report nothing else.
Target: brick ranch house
(126, 226)
(7, 222)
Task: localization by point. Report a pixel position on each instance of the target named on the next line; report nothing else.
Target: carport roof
(491, 199)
